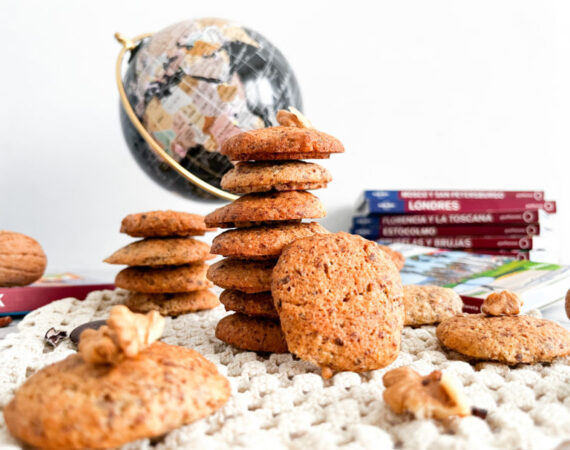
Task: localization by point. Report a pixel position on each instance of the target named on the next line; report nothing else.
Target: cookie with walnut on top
(500, 334)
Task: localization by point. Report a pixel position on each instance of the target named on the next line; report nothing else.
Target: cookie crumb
(5, 321)
(327, 373)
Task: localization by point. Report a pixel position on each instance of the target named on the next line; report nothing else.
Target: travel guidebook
(20, 300)
(474, 276)
(397, 202)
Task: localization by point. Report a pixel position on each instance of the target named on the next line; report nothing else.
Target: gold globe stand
(128, 45)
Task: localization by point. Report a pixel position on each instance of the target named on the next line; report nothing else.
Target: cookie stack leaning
(269, 215)
(167, 269)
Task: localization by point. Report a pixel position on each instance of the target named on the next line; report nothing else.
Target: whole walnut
(22, 259)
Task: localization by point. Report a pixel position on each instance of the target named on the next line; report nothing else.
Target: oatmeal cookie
(242, 275)
(122, 385)
(172, 304)
(150, 280)
(163, 223)
(264, 241)
(264, 176)
(426, 305)
(278, 143)
(251, 333)
(339, 299)
(267, 207)
(73, 404)
(397, 258)
(507, 339)
(161, 252)
(256, 305)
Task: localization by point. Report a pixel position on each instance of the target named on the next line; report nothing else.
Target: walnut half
(504, 303)
(436, 395)
(124, 336)
(292, 118)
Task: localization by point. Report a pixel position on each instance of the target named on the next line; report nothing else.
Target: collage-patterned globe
(195, 84)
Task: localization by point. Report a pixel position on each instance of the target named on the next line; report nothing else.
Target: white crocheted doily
(280, 402)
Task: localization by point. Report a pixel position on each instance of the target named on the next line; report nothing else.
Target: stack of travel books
(516, 224)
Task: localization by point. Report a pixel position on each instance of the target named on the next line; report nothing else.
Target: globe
(195, 84)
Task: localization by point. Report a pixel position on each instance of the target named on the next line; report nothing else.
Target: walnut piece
(293, 118)
(436, 395)
(124, 336)
(504, 303)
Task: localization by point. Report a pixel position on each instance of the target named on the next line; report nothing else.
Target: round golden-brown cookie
(73, 404)
(22, 259)
(264, 241)
(150, 280)
(507, 339)
(397, 258)
(161, 252)
(568, 303)
(172, 304)
(255, 305)
(339, 299)
(267, 207)
(278, 143)
(264, 176)
(242, 275)
(163, 224)
(426, 305)
(255, 334)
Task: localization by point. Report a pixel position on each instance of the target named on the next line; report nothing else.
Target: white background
(424, 94)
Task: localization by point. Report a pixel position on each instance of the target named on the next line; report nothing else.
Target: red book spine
(472, 305)
(515, 217)
(517, 254)
(461, 230)
(20, 300)
(466, 194)
(475, 205)
(463, 242)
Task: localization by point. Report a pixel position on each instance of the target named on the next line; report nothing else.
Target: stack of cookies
(266, 218)
(166, 272)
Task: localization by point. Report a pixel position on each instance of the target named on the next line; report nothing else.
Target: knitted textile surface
(281, 402)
